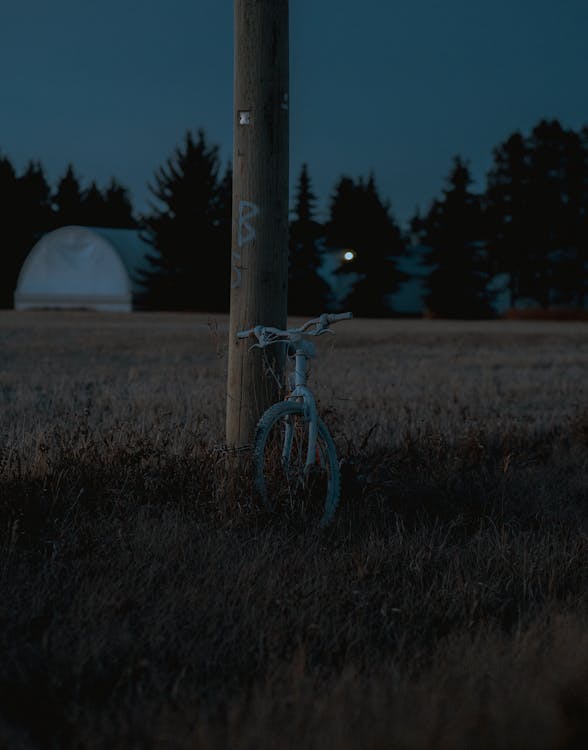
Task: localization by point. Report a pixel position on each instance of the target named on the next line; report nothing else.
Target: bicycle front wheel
(281, 479)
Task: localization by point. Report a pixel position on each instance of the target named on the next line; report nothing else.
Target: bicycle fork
(302, 393)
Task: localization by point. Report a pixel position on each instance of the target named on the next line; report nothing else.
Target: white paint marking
(246, 234)
(247, 212)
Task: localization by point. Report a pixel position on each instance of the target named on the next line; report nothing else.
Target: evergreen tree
(93, 208)
(508, 215)
(307, 291)
(583, 226)
(107, 208)
(26, 215)
(569, 256)
(536, 201)
(118, 209)
(34, 201)
(453, 232)
(546, 190)
(362, 223)
(11, 249)
(190, 229)
(68, 201)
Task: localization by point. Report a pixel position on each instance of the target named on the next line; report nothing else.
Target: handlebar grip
(334, 317)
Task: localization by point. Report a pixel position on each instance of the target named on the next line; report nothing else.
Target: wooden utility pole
(259, 276)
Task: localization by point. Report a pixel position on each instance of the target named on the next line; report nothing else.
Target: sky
(377, 85)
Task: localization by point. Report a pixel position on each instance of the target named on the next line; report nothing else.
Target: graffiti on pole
(245, 235)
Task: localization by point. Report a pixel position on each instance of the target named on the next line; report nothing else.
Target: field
(147, 602)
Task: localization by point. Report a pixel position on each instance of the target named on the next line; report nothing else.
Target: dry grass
(148, 603)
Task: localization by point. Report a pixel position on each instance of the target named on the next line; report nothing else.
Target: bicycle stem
(300, 370)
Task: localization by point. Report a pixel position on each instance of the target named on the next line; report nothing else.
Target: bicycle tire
(284, 485)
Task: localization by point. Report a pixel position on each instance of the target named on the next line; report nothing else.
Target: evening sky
(397, 88)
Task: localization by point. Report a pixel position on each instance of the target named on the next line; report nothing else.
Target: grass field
(147, 602)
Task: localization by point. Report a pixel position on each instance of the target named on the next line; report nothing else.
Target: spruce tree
(583, 226)
(118, 208)
(508, 214)
(307, 291)
(68, 200)
(190, 229)
(536, 200)
(558, 197)
(26, 215)
(11, 250)
(34, 200)
(546, 191)
(569, 258)
(93, 208)
(453, 232)
(361, 222)
(107, 208)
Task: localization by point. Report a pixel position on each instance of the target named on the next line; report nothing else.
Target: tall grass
(147, 602)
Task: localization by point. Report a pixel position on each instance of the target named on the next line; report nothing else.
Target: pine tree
(546, 190)
(26, 215)
(569, 257)
(118, 207)
(508, 214)
(34, 200)
(68, 200)
(93, 207)
(536, 200)
(190, 229)
(362, 223)
(453, 232)
(307, 291)
(11, 250)
(583, 226)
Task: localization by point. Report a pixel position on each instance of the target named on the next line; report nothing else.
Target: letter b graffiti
(247, 212)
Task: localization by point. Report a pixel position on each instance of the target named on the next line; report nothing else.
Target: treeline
(525, 234)
(528, 230)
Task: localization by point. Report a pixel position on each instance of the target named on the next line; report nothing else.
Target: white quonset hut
(83, 268)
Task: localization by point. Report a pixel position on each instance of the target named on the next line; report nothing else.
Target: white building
(83, 268)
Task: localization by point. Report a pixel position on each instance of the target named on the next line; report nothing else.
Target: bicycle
(295, 460)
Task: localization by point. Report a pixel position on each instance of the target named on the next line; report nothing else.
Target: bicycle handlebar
(321, 325)
(326, 319)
